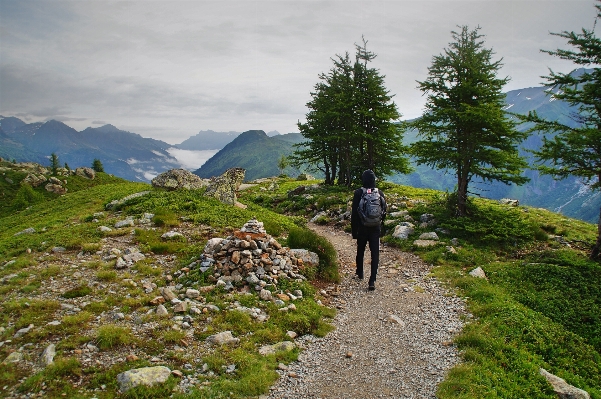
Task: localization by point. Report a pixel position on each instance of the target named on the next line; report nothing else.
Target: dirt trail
(391, 342)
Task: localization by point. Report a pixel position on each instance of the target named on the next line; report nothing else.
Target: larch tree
(464, 127)
(352, 123)
(575, 150)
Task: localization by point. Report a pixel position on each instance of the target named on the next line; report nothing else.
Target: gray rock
(148, 376)
(47, 357)
(309, 258)
(104, 229)
(55, 188)
(14, 357)
(224, 187)
(429, 236)
(86, 172)
(117, 203)
(285, 346)
(162, 311)
(167, 294)
(425, 243)
(478, 272)
(128, 222)
(403, 231)
(175, 179)
(319, 215)
(171, 235)
(192, 293)
(222, 338)
(265, 295)
(29, 230)
(562, 388)
(508, 201)
(23, 331)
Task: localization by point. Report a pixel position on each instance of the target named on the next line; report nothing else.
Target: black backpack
(370, 207)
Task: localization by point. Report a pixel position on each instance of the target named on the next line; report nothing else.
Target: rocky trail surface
(394, 342)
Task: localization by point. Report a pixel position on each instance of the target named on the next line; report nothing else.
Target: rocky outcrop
(86, 172)
(34, 180)
(224, 187)
(175, 179)
(562, 388)
(56, 188)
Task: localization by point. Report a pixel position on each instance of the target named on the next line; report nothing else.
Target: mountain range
(124, 154)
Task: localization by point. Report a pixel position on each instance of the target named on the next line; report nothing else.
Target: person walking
(367, 214)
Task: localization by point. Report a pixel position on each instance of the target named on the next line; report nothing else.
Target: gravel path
(394, 342)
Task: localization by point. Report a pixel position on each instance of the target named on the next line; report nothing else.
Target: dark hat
(368, 178)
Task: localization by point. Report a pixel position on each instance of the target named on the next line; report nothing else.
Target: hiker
(368, 213)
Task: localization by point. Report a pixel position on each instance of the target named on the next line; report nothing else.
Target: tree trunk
(326, 166)
(461, 195)
(596, 253)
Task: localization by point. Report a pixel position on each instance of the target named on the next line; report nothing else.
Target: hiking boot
(371, 286)
(358, 275)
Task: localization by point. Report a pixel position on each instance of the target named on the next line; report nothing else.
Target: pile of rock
(252, 259)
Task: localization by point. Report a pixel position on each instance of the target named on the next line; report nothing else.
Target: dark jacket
(368, 180)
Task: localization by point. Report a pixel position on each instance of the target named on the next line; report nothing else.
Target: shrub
(328, 258)
(26, 196)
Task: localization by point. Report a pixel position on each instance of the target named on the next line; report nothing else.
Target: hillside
(102, 282)
(254, 151)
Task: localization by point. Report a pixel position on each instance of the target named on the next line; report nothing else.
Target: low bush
(328, 258)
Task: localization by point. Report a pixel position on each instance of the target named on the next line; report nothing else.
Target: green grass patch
(110, 336)
(77, 292)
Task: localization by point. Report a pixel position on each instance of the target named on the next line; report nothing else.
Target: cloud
(167, 69)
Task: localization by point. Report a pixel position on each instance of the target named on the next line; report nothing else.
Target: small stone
(349, 354)
(177, 373)
(131, 358)
(162, 311)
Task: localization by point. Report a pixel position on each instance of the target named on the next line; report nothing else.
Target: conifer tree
(54, 164)
(575, 150)
(97, 165)
(464, 127)
(351, 125)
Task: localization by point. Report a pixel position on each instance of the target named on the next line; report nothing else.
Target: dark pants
(371, 236)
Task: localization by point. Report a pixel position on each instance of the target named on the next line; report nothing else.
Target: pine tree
(97, 165)
(282, 163)
(464, 127)
(575, 150)
(54, 164)
(351, 125)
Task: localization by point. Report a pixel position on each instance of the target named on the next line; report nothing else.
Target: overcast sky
(168, 69)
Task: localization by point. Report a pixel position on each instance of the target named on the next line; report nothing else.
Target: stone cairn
(252, 259)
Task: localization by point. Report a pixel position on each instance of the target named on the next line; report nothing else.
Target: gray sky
(168, 69)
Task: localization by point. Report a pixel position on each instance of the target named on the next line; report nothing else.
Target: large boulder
(34, 180)
(224, 187)
(178, 178)
(148, 376)
(55, 188)
(86, 172)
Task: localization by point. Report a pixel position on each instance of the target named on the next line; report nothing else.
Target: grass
(539, 308)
